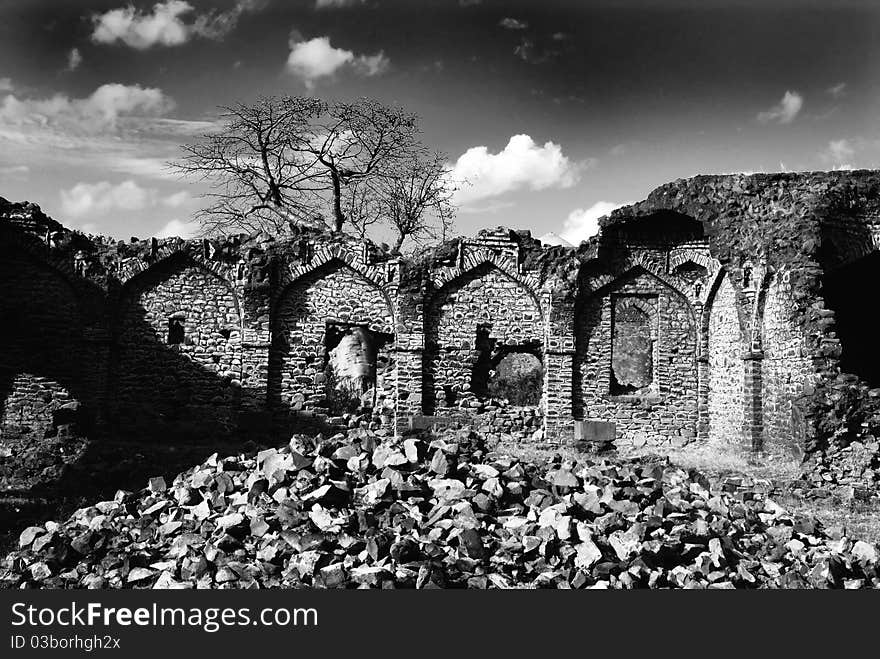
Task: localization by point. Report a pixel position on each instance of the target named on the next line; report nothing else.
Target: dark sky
(609, 98)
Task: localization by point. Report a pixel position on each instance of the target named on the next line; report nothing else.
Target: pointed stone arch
(42, 332)
(479, 308)
(177, 347)
(335, 292)
(672, 397)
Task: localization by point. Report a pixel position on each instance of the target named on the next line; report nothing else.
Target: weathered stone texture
(786, 369)
(726, 370)
(40, 368)
(332, 298)
(194, 383)
(470, 321)
(664, 408)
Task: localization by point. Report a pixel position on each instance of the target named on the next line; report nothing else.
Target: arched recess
(662, 349)
(309, 318)
(469, 321)
(177, 351)
(41, 344)
(724, 345)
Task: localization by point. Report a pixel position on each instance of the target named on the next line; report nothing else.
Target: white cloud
(839, 153)
(521, 164)
(87, 199)
(6, 85)
(317, 58)
(140, 30)
(91, 198)
(97, 112)
(74, 59)
(178, 229)
(138, 165)
(167, 24)
(582, 223)
(785, 111)
(512, 24)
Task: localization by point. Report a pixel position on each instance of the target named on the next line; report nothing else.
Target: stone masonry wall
(42, 338)
(726, 374)
(193, 385)
(786, 370)
(333, 294)
(665, 410)
(469, 320)
(743, 366)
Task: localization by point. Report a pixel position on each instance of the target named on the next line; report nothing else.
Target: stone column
(703, 396)
(410, 369)
(559, 364)
(256, 342)
(95, 374)
(753, 418)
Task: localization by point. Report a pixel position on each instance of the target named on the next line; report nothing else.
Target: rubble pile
(847, 472)
(362, 510)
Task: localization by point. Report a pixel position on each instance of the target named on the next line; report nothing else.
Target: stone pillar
(410, 371)
(256, 342)
(753, 419)
(703, 395)
(95, 375)
(559, 364)
(556, 401)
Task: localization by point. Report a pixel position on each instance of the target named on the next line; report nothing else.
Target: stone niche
(633, 338)
(635, 360)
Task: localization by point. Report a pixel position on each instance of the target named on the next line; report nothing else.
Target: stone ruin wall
(659, 333)
(160, 382)
(320, 305)
(42, 343)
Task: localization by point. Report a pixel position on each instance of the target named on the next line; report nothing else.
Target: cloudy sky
(555, 111)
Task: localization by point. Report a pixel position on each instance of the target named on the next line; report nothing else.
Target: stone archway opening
(517, 377)
(352, 365)
(844, 293)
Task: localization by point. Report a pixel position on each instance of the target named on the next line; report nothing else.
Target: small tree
(417, 201)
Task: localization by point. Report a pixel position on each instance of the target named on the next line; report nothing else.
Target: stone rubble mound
(359, 510)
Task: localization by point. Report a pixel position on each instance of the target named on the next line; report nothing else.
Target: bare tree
(257, 179)
(358, 143)
(417, 201)
(303, 161)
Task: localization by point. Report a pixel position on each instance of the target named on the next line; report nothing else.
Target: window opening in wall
(484, 346)
(226, 333)
(350, 364)
(844, 290)
(517, 377)
(632, 350)
(176, 331)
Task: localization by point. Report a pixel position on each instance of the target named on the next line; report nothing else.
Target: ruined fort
(733, 311)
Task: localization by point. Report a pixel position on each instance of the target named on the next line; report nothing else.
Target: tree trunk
(338, 215)
(400, 238)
